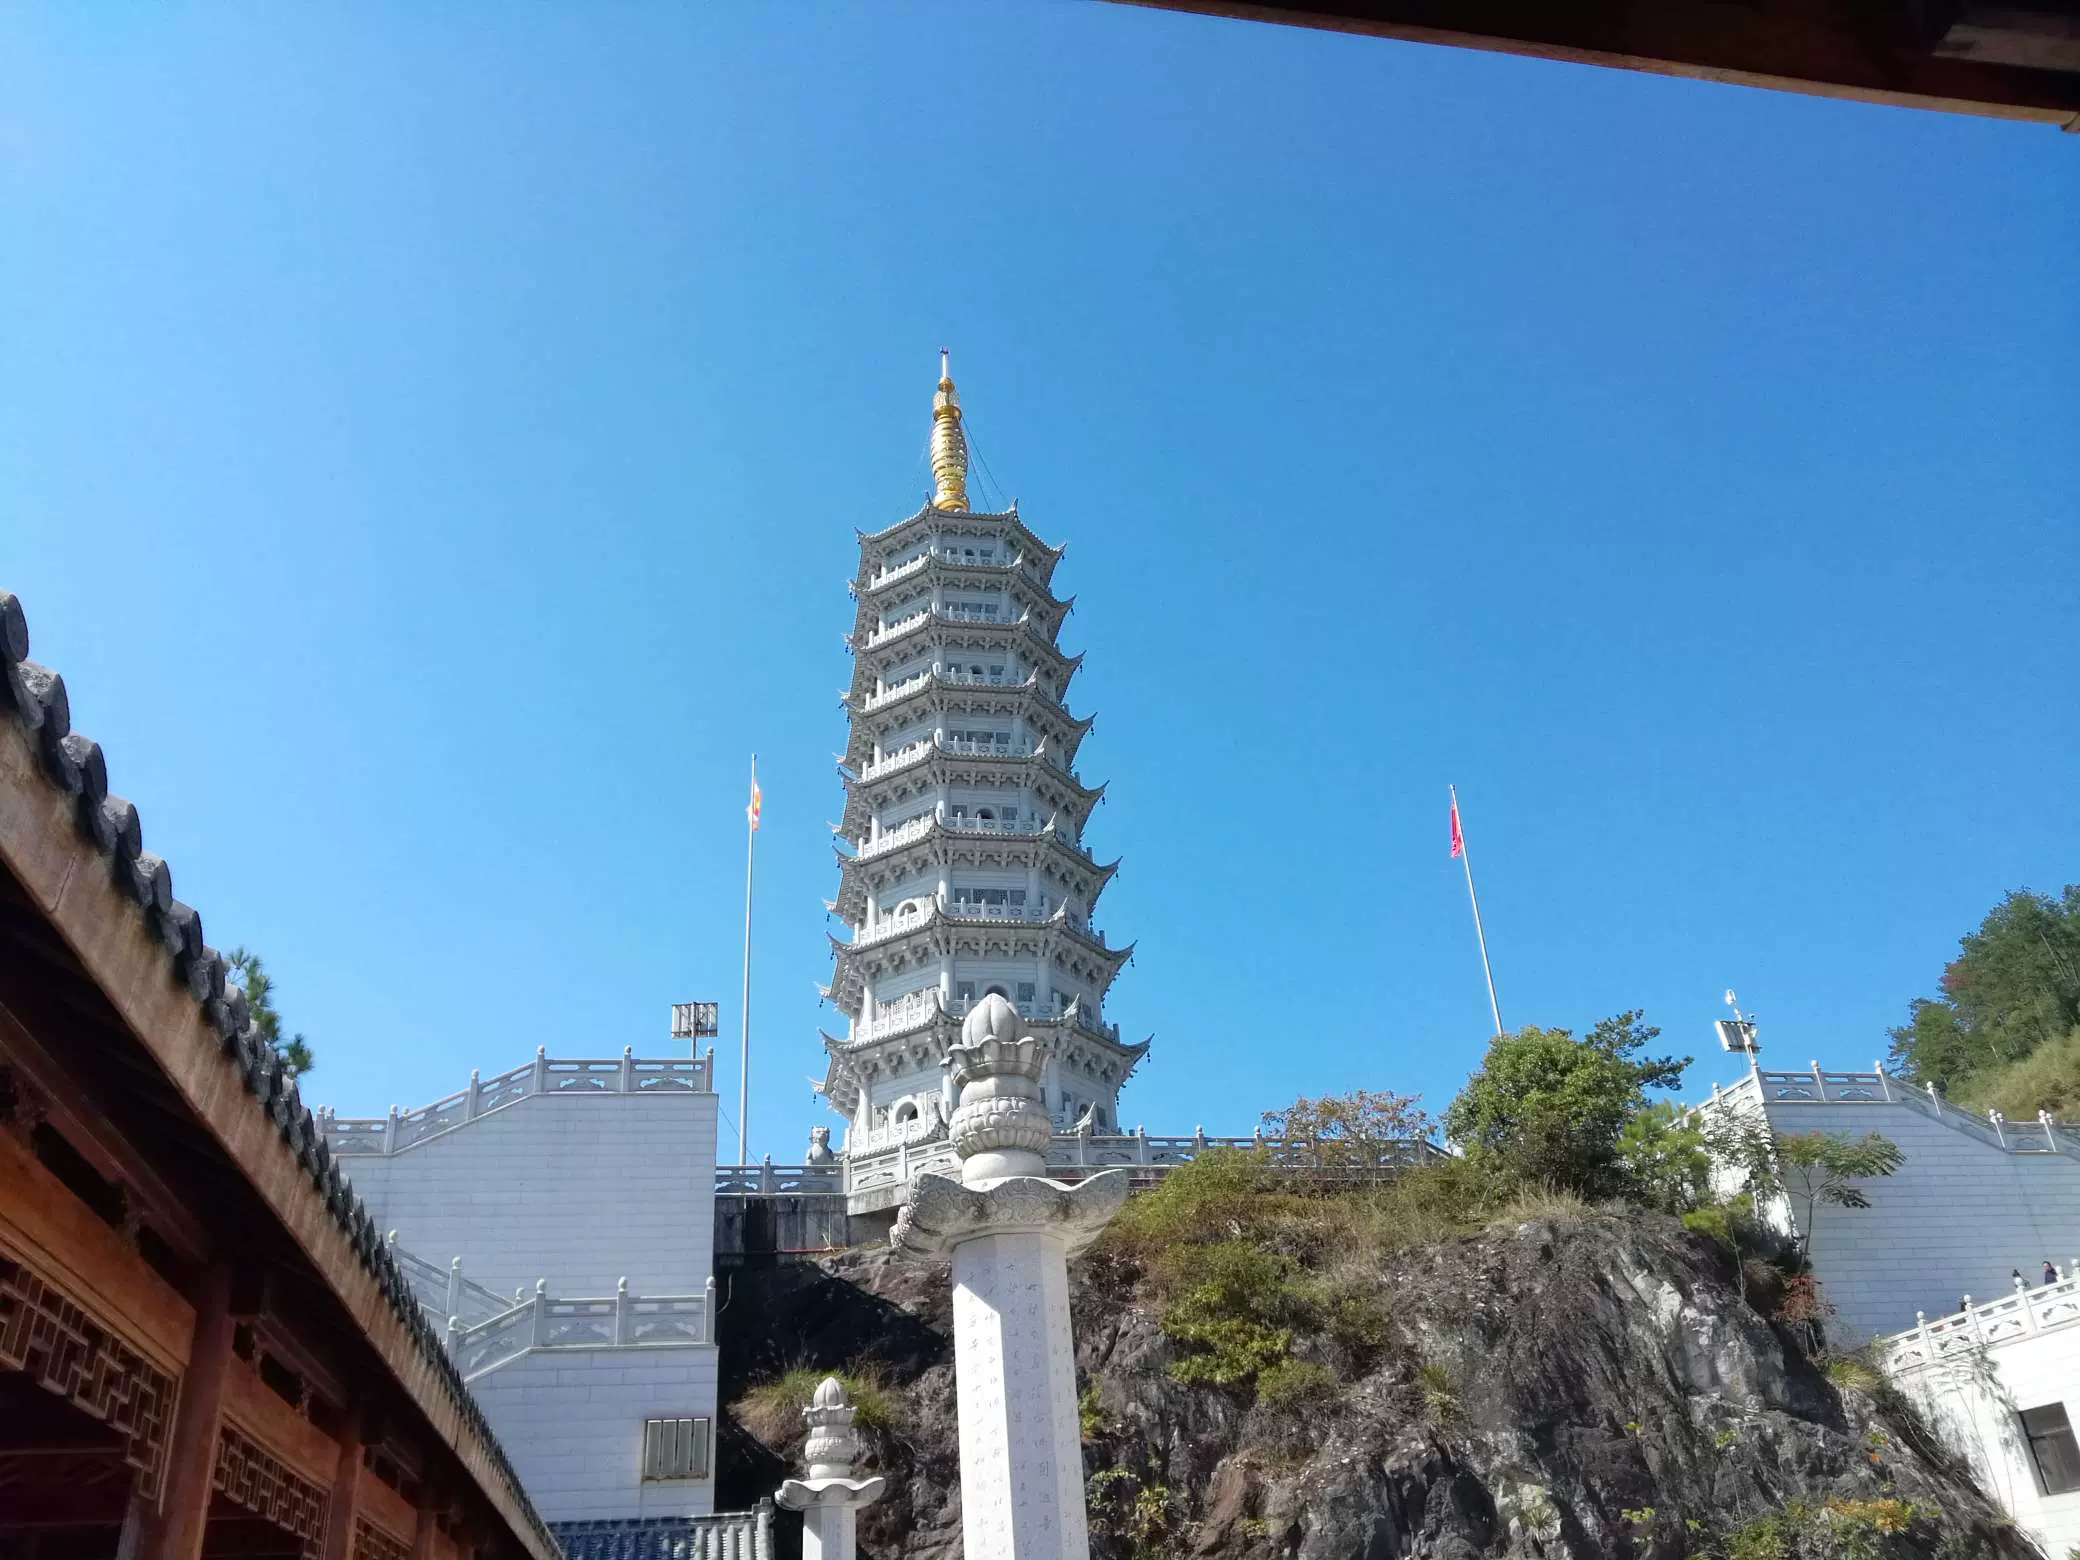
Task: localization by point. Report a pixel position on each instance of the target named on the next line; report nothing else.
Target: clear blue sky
(431, 440)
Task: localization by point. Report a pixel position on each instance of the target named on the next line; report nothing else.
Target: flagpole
(1466, 860)
(744, 1064)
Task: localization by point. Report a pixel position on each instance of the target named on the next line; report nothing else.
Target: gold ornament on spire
(949, 444)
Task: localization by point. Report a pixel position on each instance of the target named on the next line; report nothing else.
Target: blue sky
(431, 441)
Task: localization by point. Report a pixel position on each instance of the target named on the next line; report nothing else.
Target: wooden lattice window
(373, 1543)
(247, 1476)
(45, 1333)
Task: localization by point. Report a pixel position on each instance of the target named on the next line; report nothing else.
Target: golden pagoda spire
(949, 444)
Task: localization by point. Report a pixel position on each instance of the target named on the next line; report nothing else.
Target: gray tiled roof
(34, 698)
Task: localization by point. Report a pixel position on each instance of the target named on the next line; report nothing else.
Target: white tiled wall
(572, 1423)
(581, 1189)
(1954, 1220)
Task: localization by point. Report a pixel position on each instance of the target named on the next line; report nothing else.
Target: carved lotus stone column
(829, 1499)
(1010, 1232)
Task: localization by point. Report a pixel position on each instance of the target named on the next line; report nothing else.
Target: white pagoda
(962, 867)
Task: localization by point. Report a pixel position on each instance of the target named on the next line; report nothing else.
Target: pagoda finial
(949, 444)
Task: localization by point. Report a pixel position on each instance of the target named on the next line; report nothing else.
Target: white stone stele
(1021, 1445)
(1010, 1231)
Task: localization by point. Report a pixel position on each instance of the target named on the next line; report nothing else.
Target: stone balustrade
(443, 1292)
(904, 570)
(954, 613)
(1964, 1334)
(626, 1074)
(1072, 1155)
(618, 1321)
(902, 758)
(895, 691)
(867, 849)
(896, 1018)
(901, 625)
(1819, 1086)
(766, 1179)
(902, 834)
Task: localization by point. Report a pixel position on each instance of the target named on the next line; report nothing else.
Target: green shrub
(1547, 1107)
(1440, 1394)
(1837, 1529)
(1294, 1381)
(772, 1410)
(1662, 1159)
(1852, 1373)
(2048, 1078)
(1215, 1197)
(1543, 1201)
(1090, 1418)
(1143, 1514)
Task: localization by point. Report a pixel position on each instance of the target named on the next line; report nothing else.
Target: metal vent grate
(675, 1448)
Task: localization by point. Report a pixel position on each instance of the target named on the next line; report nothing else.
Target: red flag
(1458, 839)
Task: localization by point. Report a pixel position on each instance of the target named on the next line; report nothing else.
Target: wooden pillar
(192, 1448)
(428, 1510)
(346, 1485)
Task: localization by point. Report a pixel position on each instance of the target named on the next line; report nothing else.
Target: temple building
(207, 1350)
(962, 864)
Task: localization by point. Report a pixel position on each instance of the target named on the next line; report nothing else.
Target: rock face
(1594, 1388)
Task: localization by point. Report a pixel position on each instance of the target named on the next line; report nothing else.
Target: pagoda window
(989, 896)
(1025, 995)
(964, 991)
(906, 1112)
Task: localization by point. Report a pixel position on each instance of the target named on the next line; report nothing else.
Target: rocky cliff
(1591, 1387)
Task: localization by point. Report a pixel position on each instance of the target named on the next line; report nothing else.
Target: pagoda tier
(1064, 954)
(929, 853)
(915, 1040)
(949, 637)
(889, 791)
(961, 534)
(966, 873)
(934, 700)
(936, 576)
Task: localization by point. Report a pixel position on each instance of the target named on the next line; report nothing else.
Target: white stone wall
(572, 1423)
(1954, 1220)
(1976, 1407)
(579, 1189)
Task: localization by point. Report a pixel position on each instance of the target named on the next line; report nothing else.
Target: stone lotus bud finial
(833, 1444)
(827, 1495)
(1000, 1125)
